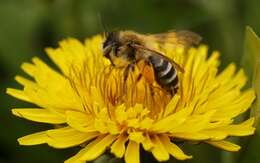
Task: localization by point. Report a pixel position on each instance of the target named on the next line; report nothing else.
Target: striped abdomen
(165, 73)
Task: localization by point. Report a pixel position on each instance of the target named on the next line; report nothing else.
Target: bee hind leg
(129, 68)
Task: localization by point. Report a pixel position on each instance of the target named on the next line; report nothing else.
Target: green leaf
(252, 51)
(251, 62)
(255, 111)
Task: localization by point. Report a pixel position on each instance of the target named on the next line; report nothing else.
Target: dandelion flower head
(85, 98)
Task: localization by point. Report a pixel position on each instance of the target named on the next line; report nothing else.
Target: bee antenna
(104, 27)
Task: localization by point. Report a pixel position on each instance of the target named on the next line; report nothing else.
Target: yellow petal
(68, 137)
(65, 56)
(57, 56)
(173, 149)
(34, 139)
(174, 119)
(159, 151)
(96, 148)
(171, 106)
(97, 98)
(132, 154)
(18, 94)
(74, 160)
(243, 129)
(214, 135)
(23, 81)
(48, 94)
(191, 136)
(120, 113)
(220, 102)
(235, 81)
(147, 142)
(227, 73)
(29, 68)
(118, 147)
(80, 121)
(39, 115)
(226, 145)
(240, 79)
(195, 123)
(235, 107)
(136, 136)
(77, 158)
(146, 123)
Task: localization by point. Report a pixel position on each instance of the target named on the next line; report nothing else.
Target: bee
(125, 49)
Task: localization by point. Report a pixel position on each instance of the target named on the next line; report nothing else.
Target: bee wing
(183, 37)
(142, 48)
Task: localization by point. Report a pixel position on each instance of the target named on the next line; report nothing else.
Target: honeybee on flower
(128, 49)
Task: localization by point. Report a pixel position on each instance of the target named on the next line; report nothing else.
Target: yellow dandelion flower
(86, 100)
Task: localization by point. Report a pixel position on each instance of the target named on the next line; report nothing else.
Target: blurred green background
(27, 26)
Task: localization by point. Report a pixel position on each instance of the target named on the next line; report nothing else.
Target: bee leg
(139, 77)
(127, 70)
(151, 90)
(126, 73)
(174, 91)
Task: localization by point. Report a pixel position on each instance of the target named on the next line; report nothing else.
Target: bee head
(111, 43)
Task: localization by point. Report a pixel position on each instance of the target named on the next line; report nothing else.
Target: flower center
(106, 86)
(116, 90)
